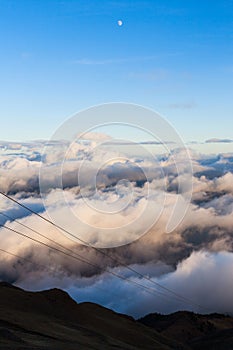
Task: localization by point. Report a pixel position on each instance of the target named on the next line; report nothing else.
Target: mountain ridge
(51, 319)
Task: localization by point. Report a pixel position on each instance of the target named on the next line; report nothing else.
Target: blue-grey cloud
(216, 140)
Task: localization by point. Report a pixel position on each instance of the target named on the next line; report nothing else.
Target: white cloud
(174, 259)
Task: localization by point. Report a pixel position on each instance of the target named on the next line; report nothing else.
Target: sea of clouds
(194, 260)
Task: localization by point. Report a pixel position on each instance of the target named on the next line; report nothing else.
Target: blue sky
(58, 57)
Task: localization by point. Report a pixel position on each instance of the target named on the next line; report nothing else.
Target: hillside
(213, 331)
(52, 320)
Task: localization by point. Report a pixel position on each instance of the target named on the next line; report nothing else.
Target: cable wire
(176, 295)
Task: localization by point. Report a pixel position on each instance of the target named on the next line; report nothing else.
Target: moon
(119, 22)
